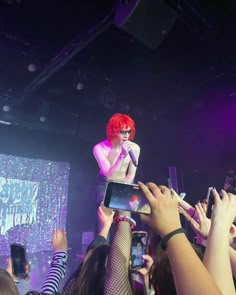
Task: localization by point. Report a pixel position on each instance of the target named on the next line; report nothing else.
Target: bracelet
(170, 235)
(128, 219)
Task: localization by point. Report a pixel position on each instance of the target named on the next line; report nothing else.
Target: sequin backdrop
(33, 201)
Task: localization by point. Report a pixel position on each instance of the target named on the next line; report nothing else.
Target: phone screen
(18, 257)
(138, 249)
(127, 197)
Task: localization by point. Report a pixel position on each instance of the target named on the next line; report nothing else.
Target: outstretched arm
(132, 169)
(216, 258)
(232, 254)
(164, 219)
(104, 161)
(185, 205)
(117, 272)
(57, 268)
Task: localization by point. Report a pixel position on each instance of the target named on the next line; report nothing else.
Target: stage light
(79, 86)
(5, 123)
(6, 108)
(43, 119)
(32, 68)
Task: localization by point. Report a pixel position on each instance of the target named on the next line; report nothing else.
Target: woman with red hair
(114, 154)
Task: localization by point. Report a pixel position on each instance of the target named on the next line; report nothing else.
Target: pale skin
(113, 157)
(217, 259)
(106, 220)
(164, 218)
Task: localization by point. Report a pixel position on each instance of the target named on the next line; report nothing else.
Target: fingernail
(139, 182)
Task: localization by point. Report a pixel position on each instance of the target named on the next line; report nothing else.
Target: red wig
(118, 122)
(134, 198)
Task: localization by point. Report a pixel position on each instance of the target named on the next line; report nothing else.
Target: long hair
(7, 285)
(117, 123)
(92, 275)
(161, 276)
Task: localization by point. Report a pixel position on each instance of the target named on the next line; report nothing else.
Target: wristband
(128, 219)
(170, 235)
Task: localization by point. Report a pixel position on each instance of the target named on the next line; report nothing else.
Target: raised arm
(132, 169)
(232, 254)
(117, 272)
(185, 205)
(188, 271)
(104, 164)
(57, 268)
(217, 258)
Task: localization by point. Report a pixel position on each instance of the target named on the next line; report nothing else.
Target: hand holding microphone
(127, 149)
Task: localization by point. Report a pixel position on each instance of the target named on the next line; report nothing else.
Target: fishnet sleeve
(117, 272)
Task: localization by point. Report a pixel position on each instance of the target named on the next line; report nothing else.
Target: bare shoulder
(101, 146)
(135, 146)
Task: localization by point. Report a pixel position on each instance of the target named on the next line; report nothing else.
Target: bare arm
(216, 258)
(117, 272)
(184, 268)
(132, 169)
(105, 166)
(164, 218)
(232, 254)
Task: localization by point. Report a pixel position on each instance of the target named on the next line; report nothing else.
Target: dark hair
(7, 285)
(92, 274)
(161, 276)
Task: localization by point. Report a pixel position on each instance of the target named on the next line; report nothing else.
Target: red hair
(134, 198)
(118, 122)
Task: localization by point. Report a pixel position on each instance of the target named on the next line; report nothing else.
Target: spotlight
(79, 86)
(32, 68)
(42, 119)
(6, 108)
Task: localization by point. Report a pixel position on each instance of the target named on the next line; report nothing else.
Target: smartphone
(127, 197)
(138, 249)
(210, 202)
(18, 256)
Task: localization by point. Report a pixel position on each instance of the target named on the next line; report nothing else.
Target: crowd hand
(148, 264)
(184, 213)
(126, 147)
(202, 227)
(9, 269)
(164, 217)
(224, 209)
(105, 216)
(184, 205)
(59, 240)
(176, 195)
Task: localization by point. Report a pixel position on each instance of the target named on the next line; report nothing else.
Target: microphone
(132, 156)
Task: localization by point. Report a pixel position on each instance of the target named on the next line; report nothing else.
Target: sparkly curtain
(33, 201)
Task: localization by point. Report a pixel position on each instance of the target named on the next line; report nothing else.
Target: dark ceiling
(75, 45)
